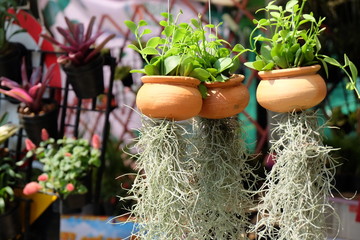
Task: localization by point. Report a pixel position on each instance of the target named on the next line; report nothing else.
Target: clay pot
(169, 97)
(225, 99)
(292, 89)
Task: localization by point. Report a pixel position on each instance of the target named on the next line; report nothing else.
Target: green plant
(78, 43)
(185, 49)
(291, 40)
(6, 19)
(65, 162)
(8, 178)
(31, 91)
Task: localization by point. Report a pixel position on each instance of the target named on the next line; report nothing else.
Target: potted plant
(9, 216)
(288, 59)
(293, 200)
(224, 95)
(35, 112)
(170, 89)
(10, 53)
(65, 164)
(82, 63)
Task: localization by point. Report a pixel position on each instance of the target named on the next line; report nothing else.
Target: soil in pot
(33, 124)
(87, 80)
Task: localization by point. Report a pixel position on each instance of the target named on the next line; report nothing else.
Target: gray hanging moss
(224, 177)
(294, 197)
(164, 186)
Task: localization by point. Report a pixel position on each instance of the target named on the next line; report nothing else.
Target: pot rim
(289, 72)
(172, 80)
(234, 80)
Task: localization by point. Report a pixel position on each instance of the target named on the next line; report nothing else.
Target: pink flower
(95, 141)
(67, 154)
(29, 145)
(70, 187)
(269, 160)
(31, 188)
(44, 134)
(43, 177)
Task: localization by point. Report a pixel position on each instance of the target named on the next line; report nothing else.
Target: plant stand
(294, 198)
(225, 180)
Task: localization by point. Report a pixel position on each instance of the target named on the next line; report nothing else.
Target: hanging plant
(164, 186)
(294, 199)
(225, 180)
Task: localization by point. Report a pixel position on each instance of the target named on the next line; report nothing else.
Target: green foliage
(6, 19)
(292, 41)
(185, 49)
(8, 177)
(66, 161)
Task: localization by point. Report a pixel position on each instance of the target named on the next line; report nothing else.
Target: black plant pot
(87, 81)
(10, 223)
(34, 124)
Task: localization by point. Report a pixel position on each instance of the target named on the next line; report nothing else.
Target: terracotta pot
(169, 97)
(225, 99)
(293, 89)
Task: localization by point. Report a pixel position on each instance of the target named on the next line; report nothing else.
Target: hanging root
(224, 177)
(294, 202)
(163, 188)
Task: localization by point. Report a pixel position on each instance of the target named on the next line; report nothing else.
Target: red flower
(95, 141)
(44, 134)
(70, 187)
(31, 188)
(29, 145)
(68, 154)
(43, 177)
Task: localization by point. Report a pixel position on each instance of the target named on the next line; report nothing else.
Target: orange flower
(68, 154)
(31, 188)
(70, 187)
(43, 177)
(95, 141)
(29, 145)
(44, 134)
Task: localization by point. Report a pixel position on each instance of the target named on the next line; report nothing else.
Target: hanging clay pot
(225, 99)
(169, 97)
(292, 89)
(33, 124)
(87, 80)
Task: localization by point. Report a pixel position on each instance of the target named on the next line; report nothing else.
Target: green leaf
(238, 48)
(222, 64)
(163, 23)
(269, 66)
(150, 51)
(132, 46)
(275, 14)
(290, 5)
(131, 25)
(142, 23)
(346, 60)
(138, 71)
(153, 42)
(200, 74)
(265, 51)
(309, 17)
(354, 71)
(350, 86)
(171, 63)
(146, 31)
(168, 31)
(179, 35)
(257, 65)
(210, 25)
(195, 23)
(332, 61)
(151, 70)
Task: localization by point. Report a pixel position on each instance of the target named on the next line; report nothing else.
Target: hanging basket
(293, 89)
(225, 99)
(87, 80)
(169, 97)
(33, 124)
